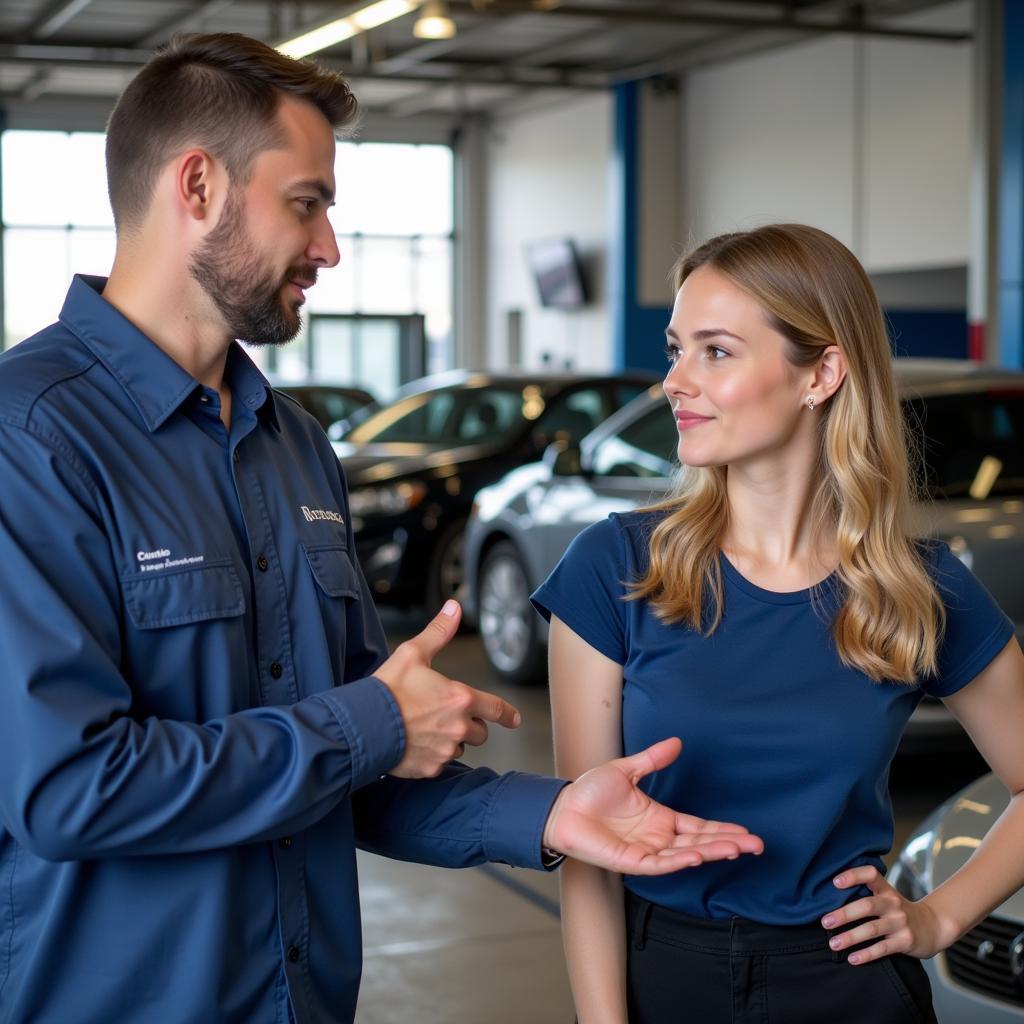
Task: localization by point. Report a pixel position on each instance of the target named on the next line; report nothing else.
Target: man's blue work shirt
(183, 777)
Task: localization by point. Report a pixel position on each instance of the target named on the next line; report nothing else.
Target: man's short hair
(219, 92)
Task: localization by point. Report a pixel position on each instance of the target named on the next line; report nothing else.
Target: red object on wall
(976, 341)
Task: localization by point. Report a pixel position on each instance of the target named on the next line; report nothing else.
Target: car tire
(506, 620)
(445, 575)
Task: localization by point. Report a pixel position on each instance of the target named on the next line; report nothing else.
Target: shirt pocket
(333, 570)
(210, 591)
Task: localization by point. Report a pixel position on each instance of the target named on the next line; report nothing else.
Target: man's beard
(242, 285)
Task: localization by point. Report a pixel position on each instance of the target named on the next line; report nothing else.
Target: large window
(393, 219)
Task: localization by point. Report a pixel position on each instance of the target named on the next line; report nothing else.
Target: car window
(625, 391)
(329, 406)
(570, 416)
(645, 448)
(973, 443)
(452, 416)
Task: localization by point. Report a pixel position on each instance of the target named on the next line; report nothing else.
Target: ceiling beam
(182, 22)
(54, 17)
(658, 16)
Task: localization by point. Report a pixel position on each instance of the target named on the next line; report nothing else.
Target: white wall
(549, 176)
(867, 138)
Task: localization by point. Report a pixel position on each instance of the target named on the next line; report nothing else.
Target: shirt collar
(154, 382)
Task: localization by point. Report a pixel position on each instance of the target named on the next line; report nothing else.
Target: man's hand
(441, 716)
(604, 818)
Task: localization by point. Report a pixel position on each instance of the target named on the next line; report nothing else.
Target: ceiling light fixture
(434, 22)
(352, 24)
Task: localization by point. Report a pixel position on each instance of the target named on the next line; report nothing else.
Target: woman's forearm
(594, 935)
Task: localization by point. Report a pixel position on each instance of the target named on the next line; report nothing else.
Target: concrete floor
(482, 946)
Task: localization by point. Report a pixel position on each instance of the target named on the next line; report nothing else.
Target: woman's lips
(685, 420)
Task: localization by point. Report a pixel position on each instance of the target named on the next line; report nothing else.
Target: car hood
(376, 464)
(947, 838)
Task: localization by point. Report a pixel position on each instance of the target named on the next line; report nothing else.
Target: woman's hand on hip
(900, 926)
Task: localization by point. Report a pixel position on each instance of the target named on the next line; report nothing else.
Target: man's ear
(196, 181)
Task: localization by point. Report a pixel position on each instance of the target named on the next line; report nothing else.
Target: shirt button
(275, 670)
(262, 564)
(293, 954)
(285, 843)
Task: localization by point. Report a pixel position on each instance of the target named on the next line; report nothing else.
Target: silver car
(972, 418)
(980, 978)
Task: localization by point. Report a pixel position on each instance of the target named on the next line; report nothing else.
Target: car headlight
(386, 501)
(903, 879)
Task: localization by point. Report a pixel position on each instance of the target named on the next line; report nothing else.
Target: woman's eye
(672, 353)
(716, 353)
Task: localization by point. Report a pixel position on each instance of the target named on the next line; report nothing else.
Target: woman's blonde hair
(815, 293)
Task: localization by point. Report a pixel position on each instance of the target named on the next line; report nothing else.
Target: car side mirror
(564, 458)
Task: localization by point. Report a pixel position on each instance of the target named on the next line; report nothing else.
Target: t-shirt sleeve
(586, 589)
(976, 628)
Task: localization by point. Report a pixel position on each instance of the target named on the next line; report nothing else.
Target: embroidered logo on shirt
(312, 514)
(150, 561)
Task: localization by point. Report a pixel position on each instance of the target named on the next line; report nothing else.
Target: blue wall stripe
(1011, 198)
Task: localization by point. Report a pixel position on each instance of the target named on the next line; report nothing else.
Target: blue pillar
(638, 332)
(1011, 190)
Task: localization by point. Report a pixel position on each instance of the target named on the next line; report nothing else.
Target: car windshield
(645, 448)
(973, 444)
(451, 416)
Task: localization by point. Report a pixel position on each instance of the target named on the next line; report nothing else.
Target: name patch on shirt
(150, 561)
(312, 514)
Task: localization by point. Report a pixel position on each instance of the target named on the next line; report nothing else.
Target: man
(199, 719)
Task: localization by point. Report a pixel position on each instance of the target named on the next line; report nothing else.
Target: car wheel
(507, 622)
(446, 572)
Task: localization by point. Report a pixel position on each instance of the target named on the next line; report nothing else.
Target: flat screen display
(556, 269)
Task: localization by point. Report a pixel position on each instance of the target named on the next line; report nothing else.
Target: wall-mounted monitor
(556, 269)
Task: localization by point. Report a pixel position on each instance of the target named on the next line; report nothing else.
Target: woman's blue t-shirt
(778, 735)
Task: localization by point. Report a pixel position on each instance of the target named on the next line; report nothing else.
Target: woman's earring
(810, 402)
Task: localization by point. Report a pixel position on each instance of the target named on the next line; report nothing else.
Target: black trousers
(684, 970)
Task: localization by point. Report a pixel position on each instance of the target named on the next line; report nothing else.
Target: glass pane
(333, 350)
(388, 198)
(645, 448)
(973, 444)
(384, 276)
(570, 417)
(36, 174)
(86, 186)
(335, 290)
(420, 418)
(486, 414)
(36, 278)
(345, 214)
(293, 358)
(434, 286)
(92, 250)
(433, 181)
(378, 356)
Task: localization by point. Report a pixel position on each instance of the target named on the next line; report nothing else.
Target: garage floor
(482, 946)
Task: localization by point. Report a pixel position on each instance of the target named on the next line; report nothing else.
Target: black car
(415, 465)
(330, 404)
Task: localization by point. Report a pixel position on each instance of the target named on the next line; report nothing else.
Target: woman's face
(735, 396)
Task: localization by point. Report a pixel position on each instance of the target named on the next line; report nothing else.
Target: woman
(778, 615)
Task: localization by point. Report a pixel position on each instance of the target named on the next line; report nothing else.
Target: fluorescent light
(385, 10)
(344, 28)
(434, 22)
